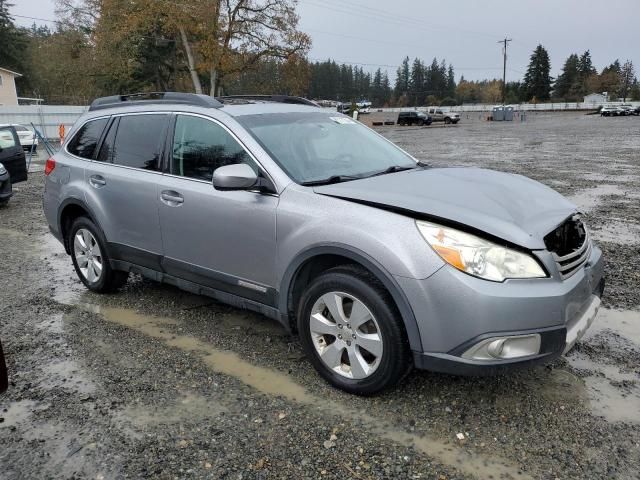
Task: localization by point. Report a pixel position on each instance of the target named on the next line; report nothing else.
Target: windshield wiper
(398, 168)
(330, 180)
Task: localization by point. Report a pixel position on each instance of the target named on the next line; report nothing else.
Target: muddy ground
(154, 382)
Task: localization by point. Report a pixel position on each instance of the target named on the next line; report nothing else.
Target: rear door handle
(97, 181)
(171, 198)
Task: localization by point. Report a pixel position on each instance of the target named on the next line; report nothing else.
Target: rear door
(122, 187)
(11, 154)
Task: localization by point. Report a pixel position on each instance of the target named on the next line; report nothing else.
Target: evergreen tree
(586, 71)
(585, 65)
(402, 78)
(386, 89)
(627, 79)
(13, 41)
(568, 79)
(451, 82)
(537, 78)
(416, 83)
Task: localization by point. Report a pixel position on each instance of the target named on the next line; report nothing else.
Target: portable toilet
(498, 113)
(508, 114)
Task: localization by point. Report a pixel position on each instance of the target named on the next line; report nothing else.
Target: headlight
(477, 256)
(2, 169)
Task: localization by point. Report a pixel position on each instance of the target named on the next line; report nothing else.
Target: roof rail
(268, 98)
(195, 99)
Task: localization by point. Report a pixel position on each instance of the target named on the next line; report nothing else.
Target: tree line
(106, 47)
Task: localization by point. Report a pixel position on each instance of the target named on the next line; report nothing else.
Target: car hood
(511, 207)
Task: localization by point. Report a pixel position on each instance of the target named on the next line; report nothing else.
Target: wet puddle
(190, 408)
(589, 199)
(613, 392)
(274, 383)
(617, 231)
(17, 413)
(625, 323)
(66, 374)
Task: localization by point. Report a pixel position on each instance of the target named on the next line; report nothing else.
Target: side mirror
(234, 177)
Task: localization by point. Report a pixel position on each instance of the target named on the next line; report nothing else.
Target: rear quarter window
(84, 143)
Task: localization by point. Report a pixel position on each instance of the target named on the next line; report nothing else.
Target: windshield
(311, 147)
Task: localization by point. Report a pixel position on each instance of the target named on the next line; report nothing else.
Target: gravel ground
(154, 382)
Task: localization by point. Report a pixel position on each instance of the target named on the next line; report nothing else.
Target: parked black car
(4, 378)
(635, 111)
(13, 163)
(414, 118)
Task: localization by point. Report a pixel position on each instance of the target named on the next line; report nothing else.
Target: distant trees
(104, 47)
(537, 79)
(13, 42)
(579, 78)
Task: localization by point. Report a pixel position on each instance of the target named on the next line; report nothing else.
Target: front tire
(352, 332)
(447, 121)
(90, 259)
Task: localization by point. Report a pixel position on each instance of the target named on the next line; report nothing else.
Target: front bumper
(455, 311)
(5, 187)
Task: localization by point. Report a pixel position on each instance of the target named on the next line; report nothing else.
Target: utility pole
(504, 68)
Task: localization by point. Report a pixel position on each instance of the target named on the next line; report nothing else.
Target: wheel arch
(328, 256)
(69, 210)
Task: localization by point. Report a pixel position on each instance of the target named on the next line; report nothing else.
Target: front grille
(570, 246)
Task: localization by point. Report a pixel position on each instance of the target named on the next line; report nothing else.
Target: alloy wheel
(88, 255)
(346, 335)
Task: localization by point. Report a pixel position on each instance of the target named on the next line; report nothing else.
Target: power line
(36, 18)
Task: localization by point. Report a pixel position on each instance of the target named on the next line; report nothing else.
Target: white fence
(46, 118)
(540, 107)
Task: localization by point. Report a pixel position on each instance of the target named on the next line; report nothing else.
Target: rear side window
(7, 138)
(200, 146)
(106, 150)
(138, 141)
(84, 143)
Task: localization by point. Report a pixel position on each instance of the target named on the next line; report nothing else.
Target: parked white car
(610, 111)
(26, 136)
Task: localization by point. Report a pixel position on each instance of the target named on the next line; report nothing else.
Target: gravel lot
(154, 382)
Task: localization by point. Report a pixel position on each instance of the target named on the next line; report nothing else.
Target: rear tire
(90, 259)
(372, 353)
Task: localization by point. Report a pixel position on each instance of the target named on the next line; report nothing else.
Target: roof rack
(155, 98)
(267, 98)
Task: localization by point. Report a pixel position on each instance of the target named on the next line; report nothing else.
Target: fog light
(504, 348)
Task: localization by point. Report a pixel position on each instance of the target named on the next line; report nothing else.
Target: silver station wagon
(377, 261)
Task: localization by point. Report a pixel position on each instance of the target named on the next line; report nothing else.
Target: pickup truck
(438, 114)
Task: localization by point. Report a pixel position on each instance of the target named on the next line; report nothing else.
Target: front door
(123, 181)
(11, 155)
(225, 240)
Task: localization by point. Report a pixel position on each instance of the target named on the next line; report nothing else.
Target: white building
(8, 92)
(596, 98)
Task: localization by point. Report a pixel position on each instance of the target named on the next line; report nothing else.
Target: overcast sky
(464, 32)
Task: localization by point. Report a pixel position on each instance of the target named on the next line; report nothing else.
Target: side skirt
(224, 297)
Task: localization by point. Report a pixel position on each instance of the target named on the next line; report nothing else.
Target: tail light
(49, 166)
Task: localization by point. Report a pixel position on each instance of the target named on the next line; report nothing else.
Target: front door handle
(97, 181)
(171, 198)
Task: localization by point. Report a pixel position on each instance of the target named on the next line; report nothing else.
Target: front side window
(84, 143)
(139, 141)
(311, 147)
(200, 146)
